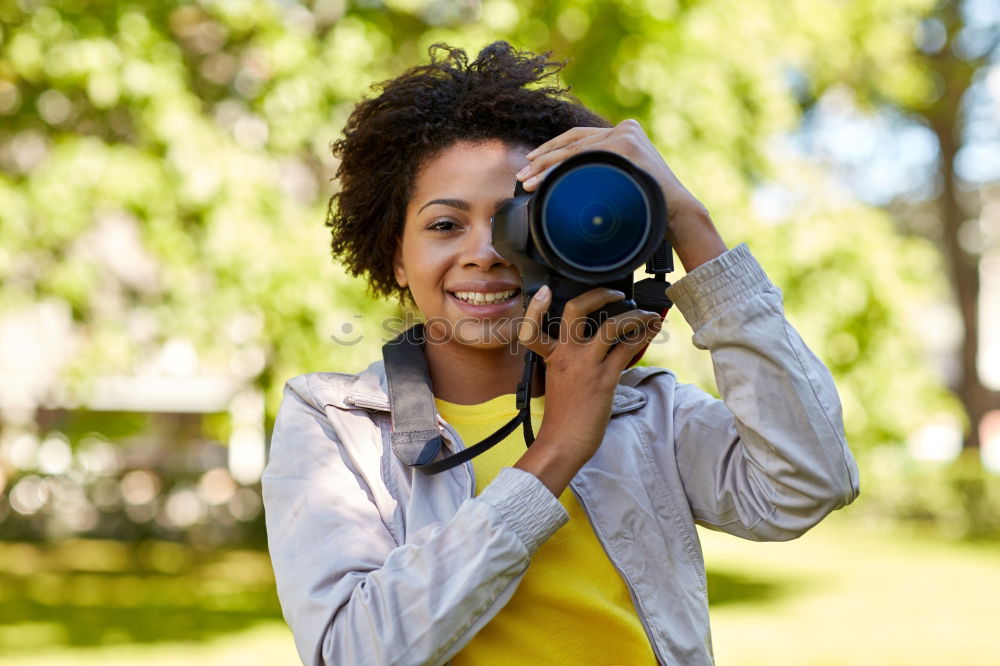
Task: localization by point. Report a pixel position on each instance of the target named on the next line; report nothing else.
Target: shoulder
(639, 375)
(642, 387)
(660, 395)
(317, 427)
(322, 389)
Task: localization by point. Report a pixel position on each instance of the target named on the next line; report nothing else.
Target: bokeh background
(164, 173)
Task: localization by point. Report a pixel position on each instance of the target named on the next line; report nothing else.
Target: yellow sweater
(572, 607)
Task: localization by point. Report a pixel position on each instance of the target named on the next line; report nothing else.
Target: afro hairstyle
(504, 94)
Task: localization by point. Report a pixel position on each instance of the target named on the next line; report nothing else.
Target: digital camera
(593, 221)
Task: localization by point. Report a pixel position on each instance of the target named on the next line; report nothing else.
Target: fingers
(627, 328)
(569, 136)
(573, 324)
(624, 335)
(529, 332)
(628, 127)
(573, 328)
(622, 353)
(626, 138)
(551, 153)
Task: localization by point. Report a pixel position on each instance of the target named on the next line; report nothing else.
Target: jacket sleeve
(770, 459)
(349, 592)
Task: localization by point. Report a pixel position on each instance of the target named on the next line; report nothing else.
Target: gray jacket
(379, 564)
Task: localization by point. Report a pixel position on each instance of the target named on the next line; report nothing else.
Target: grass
(847, 595)
(840, 595)
(153, 602)
(264, 644)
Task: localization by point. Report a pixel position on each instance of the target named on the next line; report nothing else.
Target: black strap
(524, 394)
(473, 451)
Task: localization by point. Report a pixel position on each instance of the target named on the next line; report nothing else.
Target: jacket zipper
(364, 403)
(628, 583)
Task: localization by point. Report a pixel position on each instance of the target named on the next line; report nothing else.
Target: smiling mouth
(483, 298)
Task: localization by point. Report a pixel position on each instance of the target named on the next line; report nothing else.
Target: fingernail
(524, 172)
(543, 294)
(531, 181)
(532, 154)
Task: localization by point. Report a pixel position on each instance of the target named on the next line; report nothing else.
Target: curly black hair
(503, 94)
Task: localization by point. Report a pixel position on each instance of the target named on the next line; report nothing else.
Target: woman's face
(467, 293)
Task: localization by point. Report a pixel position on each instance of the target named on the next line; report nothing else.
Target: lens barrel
(593, 221)
(597, 217)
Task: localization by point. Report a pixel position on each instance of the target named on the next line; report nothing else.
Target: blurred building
(126, 455)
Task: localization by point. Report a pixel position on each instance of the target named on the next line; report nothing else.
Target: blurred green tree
(967, 52)
(194, 136)
(956, 48)
(933, 80)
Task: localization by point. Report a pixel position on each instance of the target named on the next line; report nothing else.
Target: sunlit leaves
(199, 134)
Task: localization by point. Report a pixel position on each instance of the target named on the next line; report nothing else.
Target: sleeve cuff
(526, 505)
(731, 278)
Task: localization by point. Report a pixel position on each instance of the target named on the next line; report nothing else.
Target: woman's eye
(443, 224)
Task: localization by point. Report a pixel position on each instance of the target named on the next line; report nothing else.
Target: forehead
(464, 164)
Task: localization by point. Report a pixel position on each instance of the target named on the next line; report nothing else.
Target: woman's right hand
(580, 379)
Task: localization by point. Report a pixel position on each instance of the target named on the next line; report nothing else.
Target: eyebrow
(460, 204)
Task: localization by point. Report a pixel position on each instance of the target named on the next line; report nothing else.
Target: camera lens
(595, 218)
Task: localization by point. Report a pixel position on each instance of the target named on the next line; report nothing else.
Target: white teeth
(480, 298)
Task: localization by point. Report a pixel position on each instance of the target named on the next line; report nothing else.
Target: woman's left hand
(689, 227)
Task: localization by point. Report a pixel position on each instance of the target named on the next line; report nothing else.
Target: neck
(468, 376)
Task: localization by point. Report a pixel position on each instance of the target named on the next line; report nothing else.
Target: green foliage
(200, 132)
(857, 291)
(960, 500)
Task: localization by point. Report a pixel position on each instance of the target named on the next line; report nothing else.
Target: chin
(484, 334)
(489, 345)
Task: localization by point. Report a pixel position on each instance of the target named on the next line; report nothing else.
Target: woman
(582, 548)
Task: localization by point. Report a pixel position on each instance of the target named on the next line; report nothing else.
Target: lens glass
(595, 218)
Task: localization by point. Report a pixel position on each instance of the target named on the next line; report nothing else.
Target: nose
(478, 250)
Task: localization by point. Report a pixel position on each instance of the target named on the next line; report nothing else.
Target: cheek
(427, 278)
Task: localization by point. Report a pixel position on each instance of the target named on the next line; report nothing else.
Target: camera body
(593, 221)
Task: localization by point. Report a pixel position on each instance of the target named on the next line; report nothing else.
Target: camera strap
(416, 439)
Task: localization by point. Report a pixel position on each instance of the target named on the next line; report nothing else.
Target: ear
(397, 265)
